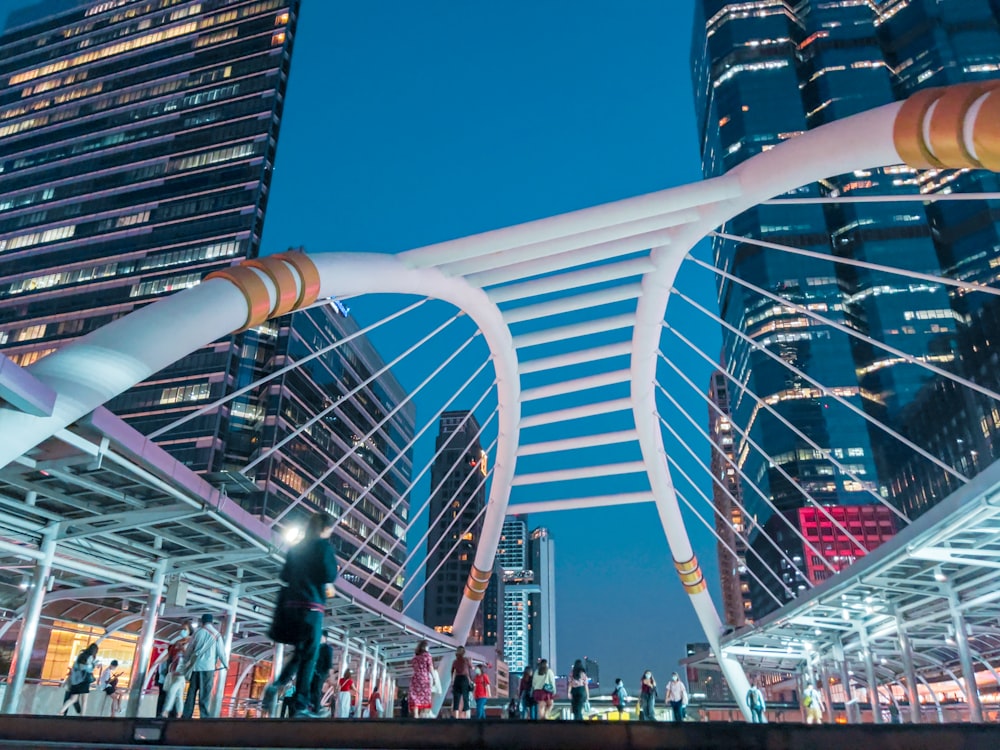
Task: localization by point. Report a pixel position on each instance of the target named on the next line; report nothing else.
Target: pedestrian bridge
(93, 513)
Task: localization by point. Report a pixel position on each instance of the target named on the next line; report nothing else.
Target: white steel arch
(954, 127)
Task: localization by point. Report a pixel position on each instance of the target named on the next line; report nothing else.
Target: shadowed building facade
(137, 144)
(763, 72)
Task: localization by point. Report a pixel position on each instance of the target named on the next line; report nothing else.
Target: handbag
(436, 688)
(288, 623)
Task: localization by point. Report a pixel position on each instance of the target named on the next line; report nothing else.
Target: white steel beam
(560, 282)
(573, 386)
(599, 501)
(575, 258)
(548, 335)
(581, 472)
(572, 302)
(576, 412)
(556, 361)
(575, 443)
(671, 200)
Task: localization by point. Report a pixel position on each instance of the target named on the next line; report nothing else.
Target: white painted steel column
(140, 667)
(906, 651)
(873, 698)
(360, 682)
(345, 658)
(850, 704)
(222, 675)
(965, 657)
(29, 626)
(277, 660)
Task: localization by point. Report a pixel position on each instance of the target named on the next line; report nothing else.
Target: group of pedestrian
(191, 660)
(470, 685)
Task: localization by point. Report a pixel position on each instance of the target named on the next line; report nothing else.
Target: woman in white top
(579, 690)
(543, 689)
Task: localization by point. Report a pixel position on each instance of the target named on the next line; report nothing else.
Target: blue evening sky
(408, 123)
(411, 123)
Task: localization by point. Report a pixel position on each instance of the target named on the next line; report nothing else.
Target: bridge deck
(48, 732)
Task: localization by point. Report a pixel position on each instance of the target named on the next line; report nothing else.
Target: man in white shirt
(107, 683)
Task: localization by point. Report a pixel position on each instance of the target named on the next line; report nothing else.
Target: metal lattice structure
(589, 287)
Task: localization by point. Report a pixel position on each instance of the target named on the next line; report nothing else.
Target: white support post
(869, 660)
(221, 675)
(906, 652)
(360, 682)
(965, 657)
(850, 704)
(29, 625)
(140, 667)
(277, 660)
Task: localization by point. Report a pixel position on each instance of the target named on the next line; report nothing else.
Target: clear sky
(408, 123)
(411, 123)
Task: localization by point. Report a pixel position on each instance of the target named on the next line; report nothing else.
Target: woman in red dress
(345, 689)
(420, 682)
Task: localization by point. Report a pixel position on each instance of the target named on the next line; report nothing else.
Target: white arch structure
(954, 127)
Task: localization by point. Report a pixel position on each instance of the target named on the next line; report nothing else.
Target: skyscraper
(137, 142)
(331, 435)
(543, 604)
(727, 496)
(528, 564)
(763, 72)
(459, 494)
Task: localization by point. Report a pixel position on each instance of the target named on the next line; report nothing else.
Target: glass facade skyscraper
(458, 497)
(137, 142)
(764, 71)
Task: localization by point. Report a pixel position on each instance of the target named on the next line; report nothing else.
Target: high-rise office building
(543, 604)
(764, 71)
(352, 461)
(137, 142)
(528, 564)
(459, 494)
(727, 493)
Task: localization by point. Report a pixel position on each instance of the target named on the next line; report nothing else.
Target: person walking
(309, 573)
(461, 684)
(812, 703)
(107, 683)
(647, 697)
(324, 663)
(81, 677)
(526, 703)
(203, 653)
(755, 702)
(578, 690)
(375, 704)
(619, 698)
(677, 697)
(543, 689)
(173, 675)
(345, 693)
(421, 700)
(481, 691)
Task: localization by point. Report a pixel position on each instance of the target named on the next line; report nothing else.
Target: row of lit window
(183, 394)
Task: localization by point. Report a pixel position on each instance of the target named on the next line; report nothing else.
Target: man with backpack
(619, 698)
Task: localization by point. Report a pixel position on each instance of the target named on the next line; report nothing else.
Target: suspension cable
(341, 399)
(826, 391)
(803, 310)
(402, 495)
(445, 508)
(385, 420)
(924, 198)
(781, 418)
(732, 498)
(288, 368)
(768, 501)
(732, 551)
(430, 495)
(781, 469)
(969, 286)
(443, 560)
